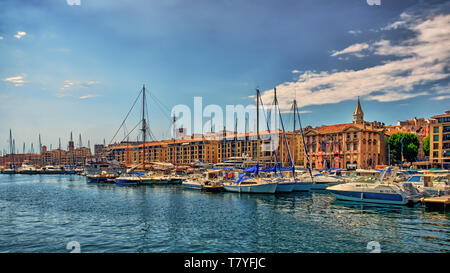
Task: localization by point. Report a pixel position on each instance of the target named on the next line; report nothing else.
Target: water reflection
(43, 213)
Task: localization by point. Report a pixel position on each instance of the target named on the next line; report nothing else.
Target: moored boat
(378, 192)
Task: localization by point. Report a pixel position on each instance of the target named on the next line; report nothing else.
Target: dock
(439, 202)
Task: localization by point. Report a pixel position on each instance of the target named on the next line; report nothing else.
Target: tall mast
(174, 140)
(235, 137)
(144, 127)
(257, 126)
(293, 135)
(211, 146)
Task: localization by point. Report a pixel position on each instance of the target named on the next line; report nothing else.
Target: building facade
(359, 144)
(440, 141)
(213, 148)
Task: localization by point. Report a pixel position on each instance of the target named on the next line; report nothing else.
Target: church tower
(358, 115)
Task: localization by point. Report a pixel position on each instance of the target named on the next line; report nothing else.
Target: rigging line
(125, 117)
(270, 136)
(304, 146)
(132, 130)
(285, 140)
(160, 106)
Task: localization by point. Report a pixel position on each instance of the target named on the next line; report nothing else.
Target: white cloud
(20, 34)
(419, 61)
(295, 71)
(77, 84)
(441, 97)
(16, 80)
(88, 96)
(1, 37)
(356, 48)
(355, 32)
(70, 86)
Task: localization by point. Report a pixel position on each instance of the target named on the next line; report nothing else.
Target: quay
(438, 202)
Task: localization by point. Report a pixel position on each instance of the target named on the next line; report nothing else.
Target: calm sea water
(44, 213)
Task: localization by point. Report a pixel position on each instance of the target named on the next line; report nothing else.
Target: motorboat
(27, 168)
(431, 184)
(383, 192)
(103, 177)
(193, 182)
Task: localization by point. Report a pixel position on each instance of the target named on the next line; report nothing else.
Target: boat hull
(192, 186)
(258, 188)
(370, 197)
(96, 179)
(321, 185)
(285, 187)
(302, 186)
(123, 181)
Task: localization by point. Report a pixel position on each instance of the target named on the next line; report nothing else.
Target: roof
(447, 114)
(358, 109)
(336, 128)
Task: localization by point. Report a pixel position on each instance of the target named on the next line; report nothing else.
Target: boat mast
(257, 127)
(293, 136)
(174, 141)
(144, 127)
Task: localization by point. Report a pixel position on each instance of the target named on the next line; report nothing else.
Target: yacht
(128, 179)
(27, 168)
(103, 177)
(251, 185)
(50, 169)
(193, 182)
(383, 192)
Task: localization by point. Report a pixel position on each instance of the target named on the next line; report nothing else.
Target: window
(436, 129)
(355, 146)
(348, 146)
(436, 138)
(435, 146)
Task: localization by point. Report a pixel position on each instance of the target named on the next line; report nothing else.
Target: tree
(426, 146)
(411, 146)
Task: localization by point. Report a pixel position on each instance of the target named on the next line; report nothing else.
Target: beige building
(359, 144)
(212, 148)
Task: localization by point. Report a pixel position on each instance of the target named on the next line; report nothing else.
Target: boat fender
(229, 175)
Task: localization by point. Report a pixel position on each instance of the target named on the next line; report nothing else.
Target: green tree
(426, 146)
(411, 146)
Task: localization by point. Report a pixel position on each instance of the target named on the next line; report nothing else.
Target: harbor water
(43, 213)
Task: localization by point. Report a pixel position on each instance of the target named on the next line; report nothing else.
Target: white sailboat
(255, 184)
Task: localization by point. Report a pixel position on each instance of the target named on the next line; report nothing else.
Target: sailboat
(131, 177)
(250, 181)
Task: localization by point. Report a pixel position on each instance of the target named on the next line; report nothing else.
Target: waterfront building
(418, 126)
(213, 148)
(359, 144)
(440, 141)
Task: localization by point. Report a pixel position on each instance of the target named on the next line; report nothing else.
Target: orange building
(359, 144)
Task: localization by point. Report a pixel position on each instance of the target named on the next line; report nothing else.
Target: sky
(78, 66)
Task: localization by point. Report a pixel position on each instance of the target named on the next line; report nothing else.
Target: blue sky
(79, 67)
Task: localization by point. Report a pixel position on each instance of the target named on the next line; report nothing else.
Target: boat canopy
(253, 169)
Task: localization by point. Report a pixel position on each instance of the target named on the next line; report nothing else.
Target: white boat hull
(364, 198)
(193, 186)
(256, 188)
(285, 187)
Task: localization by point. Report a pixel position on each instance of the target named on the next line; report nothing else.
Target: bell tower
(358, 115)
